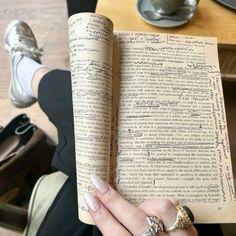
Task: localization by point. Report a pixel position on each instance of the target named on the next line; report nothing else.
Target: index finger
(104, 220)
(132, 217)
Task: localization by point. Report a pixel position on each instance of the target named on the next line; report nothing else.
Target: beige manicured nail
(91, 201)
(99, 184)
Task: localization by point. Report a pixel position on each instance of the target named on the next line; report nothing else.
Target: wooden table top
(210, 19)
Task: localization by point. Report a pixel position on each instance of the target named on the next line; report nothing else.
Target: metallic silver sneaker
(20, 41)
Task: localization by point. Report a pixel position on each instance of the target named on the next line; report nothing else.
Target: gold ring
(184, 219)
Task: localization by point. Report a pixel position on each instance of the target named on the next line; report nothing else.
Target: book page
(172, 138)
(91, 43)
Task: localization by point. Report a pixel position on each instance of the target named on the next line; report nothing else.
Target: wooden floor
(48, 19)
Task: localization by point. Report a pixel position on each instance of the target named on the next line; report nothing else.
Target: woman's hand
(117, 217)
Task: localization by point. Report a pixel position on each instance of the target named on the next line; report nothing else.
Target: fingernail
(99, 184)
(91, 201)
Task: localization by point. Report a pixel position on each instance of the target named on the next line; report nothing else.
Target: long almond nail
(99, 184)
(91, 201)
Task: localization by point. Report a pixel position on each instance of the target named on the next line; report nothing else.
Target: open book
(149, 117)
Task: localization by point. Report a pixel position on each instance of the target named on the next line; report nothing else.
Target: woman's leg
(37, 77)
(27, 84)
(54, 97)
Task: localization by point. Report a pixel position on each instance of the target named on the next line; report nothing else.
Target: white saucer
(143, 5)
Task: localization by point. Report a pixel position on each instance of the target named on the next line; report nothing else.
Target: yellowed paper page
(91, 39)
(172, 131)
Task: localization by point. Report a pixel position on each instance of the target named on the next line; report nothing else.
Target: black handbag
(25, 155)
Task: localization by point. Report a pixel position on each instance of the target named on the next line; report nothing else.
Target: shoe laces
(28, 50)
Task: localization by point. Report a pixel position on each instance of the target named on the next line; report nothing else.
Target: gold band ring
(184, 219)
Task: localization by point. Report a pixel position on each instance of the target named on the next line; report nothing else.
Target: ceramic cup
(167, 7)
